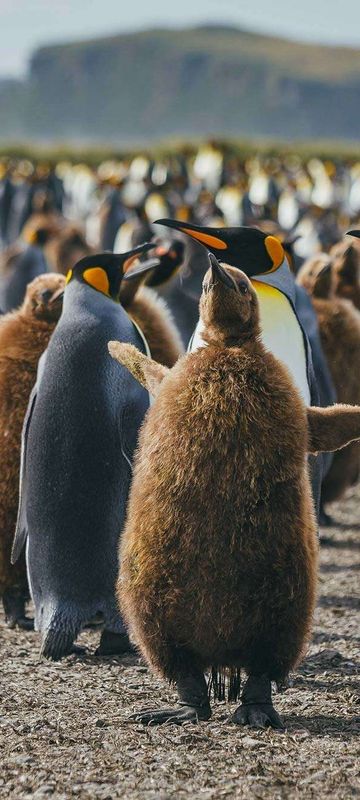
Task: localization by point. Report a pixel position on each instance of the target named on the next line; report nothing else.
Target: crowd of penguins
(179, 402)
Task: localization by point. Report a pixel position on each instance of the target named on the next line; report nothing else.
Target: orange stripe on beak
(205, 238)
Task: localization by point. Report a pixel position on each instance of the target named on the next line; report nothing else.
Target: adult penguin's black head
(104, 271)
(249, 249)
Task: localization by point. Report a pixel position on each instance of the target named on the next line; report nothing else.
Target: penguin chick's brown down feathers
(339, 325)
(153, 317)
(24, 335)
(219, 552)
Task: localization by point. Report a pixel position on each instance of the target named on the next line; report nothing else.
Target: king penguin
(79, 435)
(263, 259)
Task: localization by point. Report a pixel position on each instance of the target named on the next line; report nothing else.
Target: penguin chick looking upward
(231, 318)
(24, 335)
(219, 552)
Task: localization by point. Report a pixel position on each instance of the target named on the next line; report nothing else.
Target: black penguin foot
(256, 708)
(114, 644)
(176, 716)
(14, 607)
(258, 715)
(194, 702)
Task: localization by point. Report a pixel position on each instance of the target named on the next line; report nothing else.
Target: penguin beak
(141, 268)
(353, 233)
(218, 274)
(141, 248)
(209, 237)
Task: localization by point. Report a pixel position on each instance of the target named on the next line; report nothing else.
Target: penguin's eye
(243, 287)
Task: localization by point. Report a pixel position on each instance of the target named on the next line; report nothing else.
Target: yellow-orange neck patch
(98, 279)
(68, 276)
(276, 252)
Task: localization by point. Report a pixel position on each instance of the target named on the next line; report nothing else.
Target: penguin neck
(78, 292)
(232, 336)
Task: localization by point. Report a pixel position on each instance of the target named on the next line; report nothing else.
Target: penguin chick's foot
(114, 644)
(258, 715)
(14, 608)
(194, 703)
(257, 709)
(175, 715)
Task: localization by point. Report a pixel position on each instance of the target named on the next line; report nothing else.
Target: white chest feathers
(281, 334)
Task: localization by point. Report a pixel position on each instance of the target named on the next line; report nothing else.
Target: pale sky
(26, 24)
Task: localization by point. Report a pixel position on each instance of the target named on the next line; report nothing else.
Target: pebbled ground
(64, 730)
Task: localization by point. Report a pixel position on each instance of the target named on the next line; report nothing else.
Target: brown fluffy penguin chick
(339, 325)
(219, 553)
(218, 556)
(24, 335)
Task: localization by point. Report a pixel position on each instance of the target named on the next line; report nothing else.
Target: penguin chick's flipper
(14, 608)
(332, 428)
(194, 703)
(256, 708)
(146, 371)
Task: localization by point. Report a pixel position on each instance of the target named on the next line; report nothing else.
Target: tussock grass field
(64, 729)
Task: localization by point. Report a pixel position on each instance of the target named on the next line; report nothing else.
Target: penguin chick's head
(44, 296)
(229, 306)
(104, 271)
(249, 249)
(316, 276)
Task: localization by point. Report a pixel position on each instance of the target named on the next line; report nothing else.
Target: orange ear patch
(68, 276)
(205, 238)
(275, 251)
(97, 278)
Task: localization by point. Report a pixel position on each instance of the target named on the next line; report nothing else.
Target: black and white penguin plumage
(263, 259)
(79, 436)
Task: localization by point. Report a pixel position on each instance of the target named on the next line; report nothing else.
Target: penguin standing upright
(79, 435)
(219, 553)
(263, 259)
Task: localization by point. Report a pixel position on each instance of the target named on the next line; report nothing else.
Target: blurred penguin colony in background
(134, 239)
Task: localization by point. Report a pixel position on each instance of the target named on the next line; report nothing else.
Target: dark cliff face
(202, 81)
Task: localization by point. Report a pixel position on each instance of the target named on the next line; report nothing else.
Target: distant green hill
(210, 80)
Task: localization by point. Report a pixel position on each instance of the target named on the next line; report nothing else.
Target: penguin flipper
(21, 522)
(332, 428)
(144, 369)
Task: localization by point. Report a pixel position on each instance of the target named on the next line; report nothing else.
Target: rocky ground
(64, 729)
